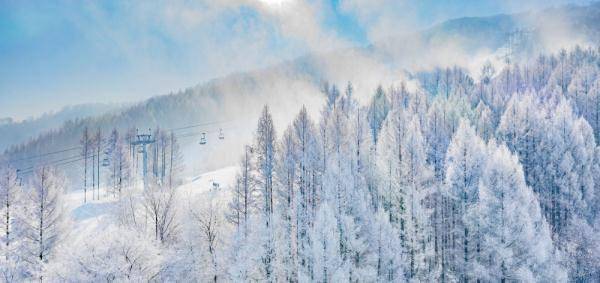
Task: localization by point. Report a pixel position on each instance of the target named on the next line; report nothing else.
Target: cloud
(130, 50)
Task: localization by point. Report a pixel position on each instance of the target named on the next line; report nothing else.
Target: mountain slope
(14, 133)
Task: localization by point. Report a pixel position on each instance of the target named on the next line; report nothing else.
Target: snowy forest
(487, 177)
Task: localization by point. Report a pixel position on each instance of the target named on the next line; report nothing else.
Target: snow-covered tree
(86, 149)
(464, 165)
(114, 254)
(243, 201)
(209, 221)
(43, 223)
(378, 110)
(388, 250)
(265, 150)
(160, 207)
(515, 241)
(328, 265)
(9, 209)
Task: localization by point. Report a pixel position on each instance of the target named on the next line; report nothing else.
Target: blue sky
(56, 53)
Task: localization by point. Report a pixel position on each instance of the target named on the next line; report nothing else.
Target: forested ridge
(487, 177)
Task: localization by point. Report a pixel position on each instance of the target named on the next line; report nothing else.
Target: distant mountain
(4, 121)
(14, 133)
(518, 35)
(238, 98)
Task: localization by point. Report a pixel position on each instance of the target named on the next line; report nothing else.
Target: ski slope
(94, 215)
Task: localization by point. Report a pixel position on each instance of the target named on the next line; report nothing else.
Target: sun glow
(274, 2)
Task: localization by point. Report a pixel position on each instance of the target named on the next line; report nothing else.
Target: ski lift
(203, 139)
(221, 135)
(105, 162)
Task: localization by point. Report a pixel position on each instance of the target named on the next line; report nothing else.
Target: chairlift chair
(105, 162)
(203, 139)
(221, 135)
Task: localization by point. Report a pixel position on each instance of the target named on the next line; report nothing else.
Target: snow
(94, 215)
(224, 177)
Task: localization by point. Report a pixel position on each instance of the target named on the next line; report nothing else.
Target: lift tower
(143, 140)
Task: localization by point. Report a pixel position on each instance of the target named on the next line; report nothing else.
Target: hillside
(16, 132)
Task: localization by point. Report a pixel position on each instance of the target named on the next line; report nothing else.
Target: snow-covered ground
(94, 215)
(219, 180)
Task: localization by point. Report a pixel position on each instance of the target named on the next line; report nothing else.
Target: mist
(125, 52)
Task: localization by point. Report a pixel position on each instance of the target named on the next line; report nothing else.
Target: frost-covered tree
(209, 221)
(243, 201)
(484, 125)
(265, 149)
(328, 265)
(288, 206)
(9, 209)
(406, 184)
(390, 262)
(114, 254)
(86, 149)
(464, 165)
(174, 166)
(118, 165)
(515, 241)
(160, 207)
(522, 128)
(307, 162)
(415, 187)
(43, 222)
(96, 144)
(378, 110)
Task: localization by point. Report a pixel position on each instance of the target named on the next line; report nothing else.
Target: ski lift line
(51, 162)
(44, 154)
(210, 123)
(54, 165)
(79, 147)
(203, 124)
(49, 165)
(54, 162)
(192, 134)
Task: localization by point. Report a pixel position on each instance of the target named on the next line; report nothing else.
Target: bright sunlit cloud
(275, 2)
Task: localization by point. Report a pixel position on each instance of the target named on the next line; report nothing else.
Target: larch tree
(43, 222)
(86, 149)
(378, 110)
(308, 163)
(160, 206)
(416, 178)
(515, 242)
(328, 265)
(9, 204)
(265, 150)
(464, 164)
